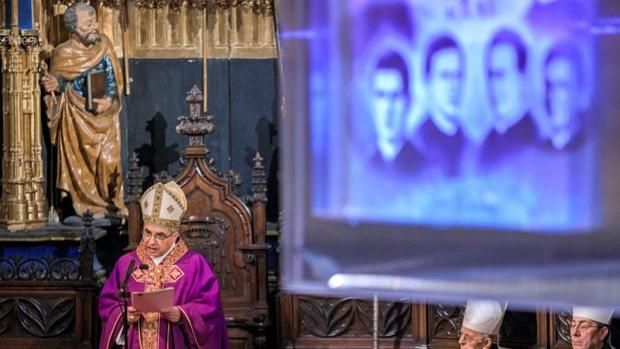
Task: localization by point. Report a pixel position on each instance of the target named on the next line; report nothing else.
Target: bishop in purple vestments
(197, 319)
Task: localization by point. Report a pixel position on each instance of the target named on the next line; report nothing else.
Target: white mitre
(602, 315)
(484, 316)
(164, 205)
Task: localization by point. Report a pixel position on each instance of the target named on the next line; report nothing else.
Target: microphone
(144, 266)
(130, 269)
(125, 295)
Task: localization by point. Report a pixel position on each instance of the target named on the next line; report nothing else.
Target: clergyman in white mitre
(481, 324)
(589, 328)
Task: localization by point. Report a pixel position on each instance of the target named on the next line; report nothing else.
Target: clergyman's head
(390, 102)
(506, 60)
(563, 80)
(481, 324)
(163, 207)
(589, 327)
(444, 71)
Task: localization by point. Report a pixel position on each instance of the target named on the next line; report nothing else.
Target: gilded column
(22, 204)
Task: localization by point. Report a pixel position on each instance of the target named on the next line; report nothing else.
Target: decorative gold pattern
(167, 273)
(164, 194)
(23, 205)
(154, 279)
(161, 222)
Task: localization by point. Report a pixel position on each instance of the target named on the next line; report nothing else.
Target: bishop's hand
(172, 314)
(132, 315)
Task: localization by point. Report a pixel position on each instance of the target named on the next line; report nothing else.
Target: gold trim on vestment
(191, 327)
(113, 327)
(154, 278)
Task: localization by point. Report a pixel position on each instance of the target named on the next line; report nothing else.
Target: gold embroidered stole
(155, 278)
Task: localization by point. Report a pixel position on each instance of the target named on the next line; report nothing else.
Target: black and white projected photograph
(445, 149)
(476, 115)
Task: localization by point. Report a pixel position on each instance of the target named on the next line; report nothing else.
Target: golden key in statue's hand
(48, 81)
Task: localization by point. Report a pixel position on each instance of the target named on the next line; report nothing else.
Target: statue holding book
(84, 86)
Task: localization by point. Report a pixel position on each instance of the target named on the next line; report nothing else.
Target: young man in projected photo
(439, 137)
(389, 104)
(513, 128)
(382, 160)
(563, 77)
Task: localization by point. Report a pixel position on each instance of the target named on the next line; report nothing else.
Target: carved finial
(195, 125)
(235, 181)
(134, 179)
(87, 218)
(259, 180)
(194, 101)
(258, 161)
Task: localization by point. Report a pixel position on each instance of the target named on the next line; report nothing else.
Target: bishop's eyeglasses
(158, 236)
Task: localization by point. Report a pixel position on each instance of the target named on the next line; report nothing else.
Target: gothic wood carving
(394, 317)
(6, 307)
(446, 321)
(45, 319)
(561, 329)
(326, 318)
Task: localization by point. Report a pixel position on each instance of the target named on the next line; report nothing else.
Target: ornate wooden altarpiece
(220, 225)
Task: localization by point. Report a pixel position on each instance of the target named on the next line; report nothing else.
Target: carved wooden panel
(446, 321)
(561, 329)
(37, 316)
(207, 237)
(324, 322)
(46, 318)
(326, 317)
(394, 318)
(6, 309)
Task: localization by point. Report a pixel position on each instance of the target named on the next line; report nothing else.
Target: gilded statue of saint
(87, 137)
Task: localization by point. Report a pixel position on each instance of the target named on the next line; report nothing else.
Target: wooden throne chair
(221, 226)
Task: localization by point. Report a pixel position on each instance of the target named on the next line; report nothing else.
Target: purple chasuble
(196, 292)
